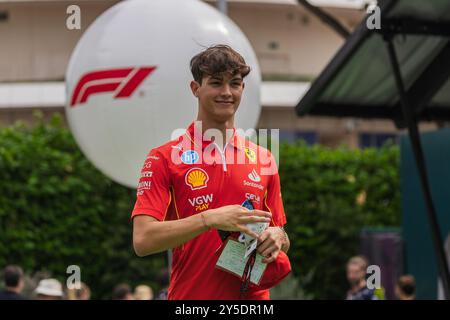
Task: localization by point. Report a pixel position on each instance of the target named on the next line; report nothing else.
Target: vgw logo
(202, 202)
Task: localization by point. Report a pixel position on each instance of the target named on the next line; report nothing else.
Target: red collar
(198, 139)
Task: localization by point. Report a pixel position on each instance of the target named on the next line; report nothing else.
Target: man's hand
(271, 241)
(235, 218)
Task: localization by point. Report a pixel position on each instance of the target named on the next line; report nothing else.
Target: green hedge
(330, 195)
(56, 210)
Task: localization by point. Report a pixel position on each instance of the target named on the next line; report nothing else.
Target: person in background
(84, 293)
(356, 276)
(14, 283)
(122, 292)
(49, 289)
(163, 280)
(406, 288)
(143, 292)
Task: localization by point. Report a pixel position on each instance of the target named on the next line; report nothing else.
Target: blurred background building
(291, 44)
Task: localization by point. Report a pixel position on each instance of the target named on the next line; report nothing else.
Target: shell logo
(196, 178)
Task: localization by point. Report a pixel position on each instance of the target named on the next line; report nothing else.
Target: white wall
(36, 45)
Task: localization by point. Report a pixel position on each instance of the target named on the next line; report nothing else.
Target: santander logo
(254, 176)
(122, 81)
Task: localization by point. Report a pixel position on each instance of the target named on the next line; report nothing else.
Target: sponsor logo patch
(251, 154)
(253, 197)
(190, 157)
(254, 176)
(146, 174)
(142, 186)
(196, 178)
(254, 185)
(201, 202)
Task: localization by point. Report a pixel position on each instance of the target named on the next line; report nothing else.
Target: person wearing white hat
(49, 289)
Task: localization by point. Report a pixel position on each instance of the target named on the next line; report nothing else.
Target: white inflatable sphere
(128, 79)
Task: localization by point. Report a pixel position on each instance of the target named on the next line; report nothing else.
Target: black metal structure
(326, 18)
(399, 72)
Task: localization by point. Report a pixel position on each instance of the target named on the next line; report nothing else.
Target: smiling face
(218, 96)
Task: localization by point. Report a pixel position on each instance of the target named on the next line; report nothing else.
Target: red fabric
(274, 273)
(170, 189)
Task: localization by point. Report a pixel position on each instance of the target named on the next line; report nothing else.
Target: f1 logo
(123, 82)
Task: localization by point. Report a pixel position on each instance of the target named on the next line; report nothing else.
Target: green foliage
(291, 288)
(330, 195)
(57, 210)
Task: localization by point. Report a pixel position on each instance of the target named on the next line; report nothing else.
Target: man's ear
(194, 87)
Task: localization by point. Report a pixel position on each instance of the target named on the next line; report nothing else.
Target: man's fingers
(268, 260)
(272, 257)
(249, 232)
(261, 213)
(253, 219)
(264, 236)
(263, 246)
(267, 252)
(264, 242)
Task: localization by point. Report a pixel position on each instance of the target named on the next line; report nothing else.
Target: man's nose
(226, 90)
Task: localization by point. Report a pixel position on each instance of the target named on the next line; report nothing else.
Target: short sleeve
(273, 201)
(153, 191)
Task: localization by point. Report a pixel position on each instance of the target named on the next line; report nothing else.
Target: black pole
(414, 137)
(326, 18)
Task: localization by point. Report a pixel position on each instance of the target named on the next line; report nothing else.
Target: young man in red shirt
(193, 186)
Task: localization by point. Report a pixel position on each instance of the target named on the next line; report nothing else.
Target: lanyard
(247, 274)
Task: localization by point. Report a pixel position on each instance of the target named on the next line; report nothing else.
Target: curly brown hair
(217, 60)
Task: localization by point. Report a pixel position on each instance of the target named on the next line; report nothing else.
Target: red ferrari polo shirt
(189, 175)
